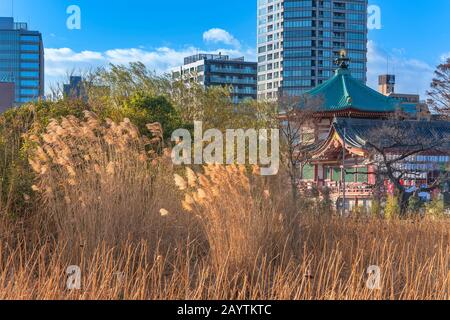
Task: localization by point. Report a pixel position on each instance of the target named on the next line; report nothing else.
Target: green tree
(143, 109)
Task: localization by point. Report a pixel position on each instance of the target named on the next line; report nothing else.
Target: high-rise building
(298, 41)
(219, 70)
(21, 60)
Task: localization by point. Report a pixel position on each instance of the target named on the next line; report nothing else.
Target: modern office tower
(220, 70)
(298, 41)
(21, 60)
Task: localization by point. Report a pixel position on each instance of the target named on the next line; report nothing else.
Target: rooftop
(207, 56)
(7, 23)
(358, 132)
(343, 92)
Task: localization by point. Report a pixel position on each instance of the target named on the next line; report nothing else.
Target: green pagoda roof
(343, 92)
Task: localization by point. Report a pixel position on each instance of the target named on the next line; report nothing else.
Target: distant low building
(219, 70)
(6, 95)
(410, 104)
(75, 88)
(79, 88)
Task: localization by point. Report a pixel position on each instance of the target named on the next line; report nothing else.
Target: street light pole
(343, 173)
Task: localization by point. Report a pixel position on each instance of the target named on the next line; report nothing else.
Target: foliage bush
(16, 176)
(392, 209)
(325, 205)
(117, 93)
(376, 208)
(435, 208)
(414, 205)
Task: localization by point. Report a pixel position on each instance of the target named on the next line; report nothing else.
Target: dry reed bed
(110, 205)
(331, 264)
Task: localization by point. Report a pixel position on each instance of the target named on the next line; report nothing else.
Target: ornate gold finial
(343, 61)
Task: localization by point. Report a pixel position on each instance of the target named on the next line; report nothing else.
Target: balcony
(233, 70)
(352, 190)
(221, 80)
(244, 91)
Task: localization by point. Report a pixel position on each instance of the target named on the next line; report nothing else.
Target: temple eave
(332, 146)
(354, 113)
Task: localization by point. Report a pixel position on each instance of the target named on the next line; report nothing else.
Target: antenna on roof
(387, 64)
(12, 8)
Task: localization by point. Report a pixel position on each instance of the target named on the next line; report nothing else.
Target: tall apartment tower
(21, 60)
(298, 41)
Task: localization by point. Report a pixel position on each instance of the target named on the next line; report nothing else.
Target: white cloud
(67, 54)
(412, 75)
(160, 60)
(59, 62)
(216, 35)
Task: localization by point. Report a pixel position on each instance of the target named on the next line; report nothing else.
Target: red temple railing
(351, 189)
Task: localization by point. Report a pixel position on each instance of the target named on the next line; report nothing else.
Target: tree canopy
(440, 89)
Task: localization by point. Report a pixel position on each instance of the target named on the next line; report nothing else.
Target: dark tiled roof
(358, 132)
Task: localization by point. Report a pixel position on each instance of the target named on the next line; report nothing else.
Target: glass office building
(21, 60)
(298, 41)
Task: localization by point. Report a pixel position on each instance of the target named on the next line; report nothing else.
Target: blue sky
(415, 34)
